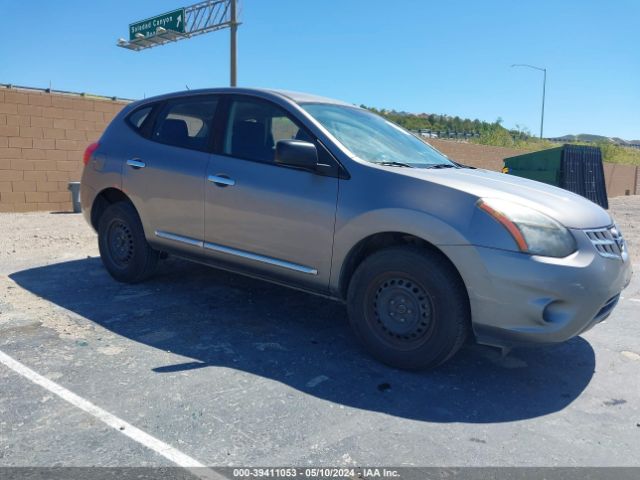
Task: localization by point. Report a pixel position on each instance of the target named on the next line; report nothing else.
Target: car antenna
(187, 87)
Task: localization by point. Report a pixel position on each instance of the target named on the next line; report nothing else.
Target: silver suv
(322, 196)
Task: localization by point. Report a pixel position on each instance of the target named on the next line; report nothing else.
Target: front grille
(608, 241)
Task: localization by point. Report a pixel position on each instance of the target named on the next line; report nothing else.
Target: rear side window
(137, 118)
(186, 123)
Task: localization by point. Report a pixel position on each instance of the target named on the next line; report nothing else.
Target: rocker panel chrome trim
(260, 258)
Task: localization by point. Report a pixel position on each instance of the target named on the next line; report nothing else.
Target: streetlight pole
(233, 43)
(544, 88)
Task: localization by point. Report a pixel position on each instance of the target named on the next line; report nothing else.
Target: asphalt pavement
(229, 371)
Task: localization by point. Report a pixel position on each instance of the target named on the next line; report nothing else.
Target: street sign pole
(233, 44)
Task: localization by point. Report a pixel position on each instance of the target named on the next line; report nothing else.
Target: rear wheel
(408, 307)
(123, 247)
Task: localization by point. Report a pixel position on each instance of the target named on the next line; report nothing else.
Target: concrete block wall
(42, 139)
(479, 156)
(621, 179)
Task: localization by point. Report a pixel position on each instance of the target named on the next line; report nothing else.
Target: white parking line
(634, 300)
(143, 438)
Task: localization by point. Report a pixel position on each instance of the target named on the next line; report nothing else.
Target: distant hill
(614, 150)
(587, 137)
(437, 122)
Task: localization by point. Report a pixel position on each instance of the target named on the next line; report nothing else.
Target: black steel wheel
(408, 307)
(401, 311)
(123, 247)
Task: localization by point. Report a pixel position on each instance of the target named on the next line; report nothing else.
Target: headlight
(533, 231)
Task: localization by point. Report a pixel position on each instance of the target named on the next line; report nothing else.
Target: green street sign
(173, 20)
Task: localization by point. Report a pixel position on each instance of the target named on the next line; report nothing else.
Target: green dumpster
(544, 166)
(577, 168)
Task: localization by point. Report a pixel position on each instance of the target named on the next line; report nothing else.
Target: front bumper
(518, 299)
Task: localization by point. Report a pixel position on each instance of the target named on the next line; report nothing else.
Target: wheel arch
(106, 197)
(381, 240)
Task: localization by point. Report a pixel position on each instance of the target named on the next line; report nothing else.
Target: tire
(408, 307)
(123, 247)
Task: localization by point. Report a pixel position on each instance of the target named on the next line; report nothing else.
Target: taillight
(89, 151)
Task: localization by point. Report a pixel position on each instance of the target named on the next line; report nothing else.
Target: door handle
(132, 162)
(221, 180)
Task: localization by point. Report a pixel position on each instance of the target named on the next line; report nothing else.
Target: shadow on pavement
(303, 341)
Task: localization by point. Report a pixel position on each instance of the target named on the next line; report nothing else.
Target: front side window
(255, 127)
(374, 139)
(186, 123)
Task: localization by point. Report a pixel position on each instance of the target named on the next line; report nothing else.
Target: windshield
(374, 139)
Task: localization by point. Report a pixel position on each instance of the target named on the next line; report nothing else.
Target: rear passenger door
(165, 174)
(266, 218)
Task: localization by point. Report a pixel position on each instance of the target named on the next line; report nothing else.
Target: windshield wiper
(464, 166)
(394, 164)
(442, 165)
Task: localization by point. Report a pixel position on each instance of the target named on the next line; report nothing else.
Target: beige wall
(480, 156)
(621, 179)
(43, 136)
(42, 139)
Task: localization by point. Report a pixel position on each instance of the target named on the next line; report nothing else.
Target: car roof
(297, 97)
(301, 97)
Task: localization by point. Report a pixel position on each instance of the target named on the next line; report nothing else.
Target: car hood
(572, 210)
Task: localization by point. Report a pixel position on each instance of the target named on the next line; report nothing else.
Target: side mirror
(296, 153)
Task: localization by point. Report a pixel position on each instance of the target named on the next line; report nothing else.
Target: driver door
(268, 219)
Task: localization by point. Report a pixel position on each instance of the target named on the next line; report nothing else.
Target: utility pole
(234, 43)
(544, 87)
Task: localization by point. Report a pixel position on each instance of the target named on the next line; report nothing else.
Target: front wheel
(408, 307)
(123, 247)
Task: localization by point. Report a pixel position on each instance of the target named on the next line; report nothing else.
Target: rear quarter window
(137, 118)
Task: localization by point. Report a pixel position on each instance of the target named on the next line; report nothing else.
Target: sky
(414, 55)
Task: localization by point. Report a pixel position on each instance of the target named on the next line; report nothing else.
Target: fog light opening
(553, 312)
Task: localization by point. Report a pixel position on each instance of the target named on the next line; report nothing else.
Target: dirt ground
(626, 213)
(61, 236)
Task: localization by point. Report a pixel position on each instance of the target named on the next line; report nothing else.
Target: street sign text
(173, 20)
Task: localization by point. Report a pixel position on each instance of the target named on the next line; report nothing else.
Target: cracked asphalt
(235, 372)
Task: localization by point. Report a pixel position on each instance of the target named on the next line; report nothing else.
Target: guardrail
(10, 86)
(455, 134)
(427, 133)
